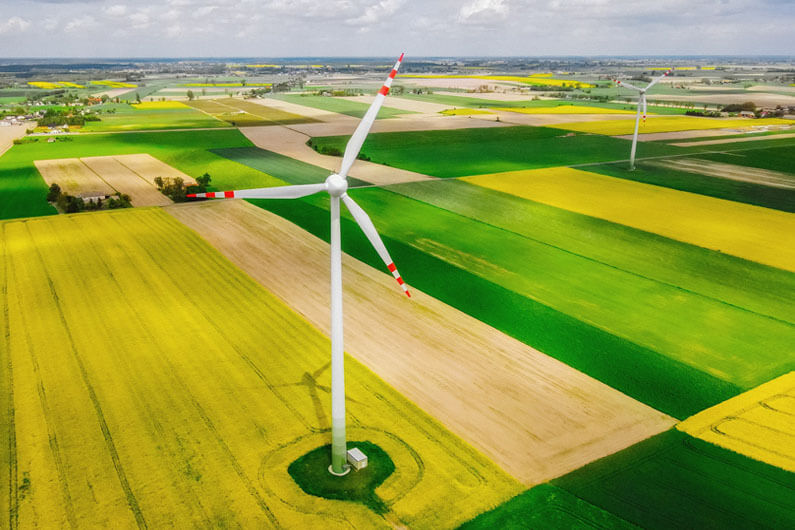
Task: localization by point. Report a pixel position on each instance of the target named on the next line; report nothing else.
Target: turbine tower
(641, 103)
(336, 185)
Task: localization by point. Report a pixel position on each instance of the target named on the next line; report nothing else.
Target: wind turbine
(336, 186)
(641, 103)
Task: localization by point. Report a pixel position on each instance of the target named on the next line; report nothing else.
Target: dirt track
(765, 177)
(534, 416)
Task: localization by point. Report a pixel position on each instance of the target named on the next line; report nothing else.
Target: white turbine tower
(336, 186)
(641, 103)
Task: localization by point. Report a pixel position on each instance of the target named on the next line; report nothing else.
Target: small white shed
(357, 459)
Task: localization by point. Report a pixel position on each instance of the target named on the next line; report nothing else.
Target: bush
(54, 192)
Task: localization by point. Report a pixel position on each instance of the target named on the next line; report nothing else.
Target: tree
(137, 97)
(190, 95)
(54, 193)
(203, 181)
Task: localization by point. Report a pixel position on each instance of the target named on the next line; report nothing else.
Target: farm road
(531, 414)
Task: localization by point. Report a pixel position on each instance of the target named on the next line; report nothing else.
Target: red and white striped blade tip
(212, 195)
(400, 281)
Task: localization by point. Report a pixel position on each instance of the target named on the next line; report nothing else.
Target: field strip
(542, 120)
(497, 393)
(751, 232)
(11, 133)
(74, 177)
(145, 399)
(289, 142)
(759, 423)
(423, 107)
(660, 124)
(149, 167)
(124, 180)
(302, 110)
(565, 109)
(709, 168)
(734, 140)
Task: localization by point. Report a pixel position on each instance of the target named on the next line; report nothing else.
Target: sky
(295, 28)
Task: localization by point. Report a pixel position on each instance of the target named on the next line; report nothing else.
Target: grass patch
(339, 105)
(239, 112)
(546, 506)
(311, 473)
(467, 101)
(153, 118)
(674, 480)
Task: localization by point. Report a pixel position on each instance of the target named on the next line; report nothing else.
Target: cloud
(115, 10)
(483, 12)
(14, 25)
(80, 23)
(377, 13)
(139, 20)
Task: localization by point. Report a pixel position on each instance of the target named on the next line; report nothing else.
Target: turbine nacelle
(336, 185)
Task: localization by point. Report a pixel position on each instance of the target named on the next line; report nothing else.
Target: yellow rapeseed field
(149, 382)
(564, 109)
(667, 124)
(159, 105)
(44, 84)
(751, 232)
(69, 84)
(758, 423)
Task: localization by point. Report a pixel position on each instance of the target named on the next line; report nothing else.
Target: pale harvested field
(113, 92)
(733, 140)
(461, 83)
(289, 142)
(149, 167)
(700, 133)
(412, 105)
(491, 96)
(74, 177)
(124, 180)
(11, 133)
(534, 416)
(402, 123)
(765, 177)
(772, 88)
(758, 423)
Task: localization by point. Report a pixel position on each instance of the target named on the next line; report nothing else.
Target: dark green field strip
(780, 156)
(732, 190)
(462, 152)
(546, 506)
(476, 103)
(675, 481)
(23, 193)
(339, 105)
(654, 379)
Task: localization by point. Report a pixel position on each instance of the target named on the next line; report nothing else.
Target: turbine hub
(336, 185)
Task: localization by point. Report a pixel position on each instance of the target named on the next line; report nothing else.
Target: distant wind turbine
(641, 103)
(336, 186)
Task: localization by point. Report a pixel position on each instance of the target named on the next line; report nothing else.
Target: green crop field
(473, 247)
(161, 400)
(466, 101)
(129, 119)
(674, 480)
(489, 150)
(546, 506)
(339, 105)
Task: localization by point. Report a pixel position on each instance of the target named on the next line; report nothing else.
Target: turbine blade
(626, 85)
(372, 234)
(359, 135)
(658, 79)
(277, 192)
(643, 97)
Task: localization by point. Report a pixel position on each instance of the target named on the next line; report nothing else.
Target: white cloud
(483, 11)
(80, 23)
(14, 25)
(139, 20)
(377, 13)
(116, 10)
